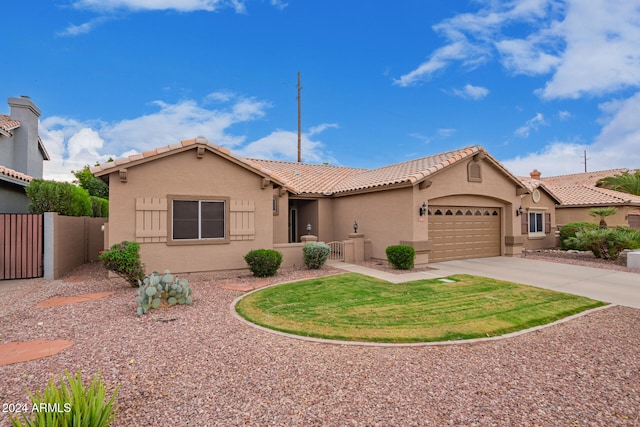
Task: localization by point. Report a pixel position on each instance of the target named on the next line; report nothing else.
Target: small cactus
(157, 287)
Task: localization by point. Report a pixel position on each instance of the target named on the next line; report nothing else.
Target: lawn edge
(234, 313)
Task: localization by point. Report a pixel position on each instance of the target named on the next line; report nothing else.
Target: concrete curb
(232, 309)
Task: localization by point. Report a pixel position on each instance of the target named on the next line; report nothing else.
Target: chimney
(27, 157)
(535, 174)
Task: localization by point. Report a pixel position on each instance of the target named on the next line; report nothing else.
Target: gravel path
(198, 366)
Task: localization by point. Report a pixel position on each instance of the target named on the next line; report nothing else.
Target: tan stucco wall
(385, 217)
(76, 240)
(566, 215)
(281, 220)
(184, 174)
(545, 205)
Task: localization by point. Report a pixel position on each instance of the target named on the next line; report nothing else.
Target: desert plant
(602, 213)
(401, 256)
(315, 254)
(70, 404)
(156, 288)
(263, 262)
(570, 230)
(124, 259)
(605, 243)
(625, 182)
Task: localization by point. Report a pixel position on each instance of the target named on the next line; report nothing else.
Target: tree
(625, 182)
(94, 186)
(603, 213)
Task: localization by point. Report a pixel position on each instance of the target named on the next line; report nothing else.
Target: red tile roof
(580, 189)
(10, 173)
(7, 124)
(301, 178)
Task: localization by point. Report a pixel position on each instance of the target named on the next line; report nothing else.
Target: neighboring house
(577, 193)
(21, 154)
(195, 206)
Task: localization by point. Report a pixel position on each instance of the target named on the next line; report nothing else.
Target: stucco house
(21, 154)
(195, 206)
(577, 193)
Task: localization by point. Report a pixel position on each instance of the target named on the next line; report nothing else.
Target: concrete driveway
(611, 286)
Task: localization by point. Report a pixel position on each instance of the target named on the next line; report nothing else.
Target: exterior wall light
(355, 227)
(308, 229)
(423, 209)
(519, 211)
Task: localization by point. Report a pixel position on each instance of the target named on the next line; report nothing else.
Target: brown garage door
(463, 232)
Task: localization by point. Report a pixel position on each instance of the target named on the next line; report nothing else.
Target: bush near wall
(569, 230)
(124, 259)
(315, 254)
(606, 243)
(263, 262)
(64, 198)
(401, 257)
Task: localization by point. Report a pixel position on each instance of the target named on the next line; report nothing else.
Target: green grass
(354, 307)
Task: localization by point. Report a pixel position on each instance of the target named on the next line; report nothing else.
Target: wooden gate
(21, 246)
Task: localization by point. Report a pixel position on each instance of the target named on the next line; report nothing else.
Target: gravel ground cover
(199, 366)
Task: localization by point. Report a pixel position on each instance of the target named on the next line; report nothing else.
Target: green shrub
(70, 404)
(124, 259)
(401, 256)
(165, 287)
(61, 197)
(606, 243)
(99, 207)
(569, 230)
(263, 262)
(315, 254)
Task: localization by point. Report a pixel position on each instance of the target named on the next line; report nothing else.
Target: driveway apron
(616, 287)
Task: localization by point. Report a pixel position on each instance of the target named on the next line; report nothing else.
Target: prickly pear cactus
(157, 287)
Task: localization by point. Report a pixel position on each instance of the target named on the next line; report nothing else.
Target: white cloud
(615, 147)
(283, 145)
(471, 37)
(532, 124)
(600, 57)
(73, 144)
(471, 92)
(564, 115)
(139, 5)
(588, 48)
(87, 27)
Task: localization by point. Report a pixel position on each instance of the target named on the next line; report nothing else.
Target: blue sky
(535, 82)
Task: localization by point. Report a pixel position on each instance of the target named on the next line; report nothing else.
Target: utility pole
(585, 161)
(299, 121)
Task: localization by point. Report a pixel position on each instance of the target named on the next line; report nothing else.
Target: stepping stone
(15, 352)
(58, 301)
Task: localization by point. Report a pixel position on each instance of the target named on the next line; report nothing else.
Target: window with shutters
(199, 220)
(539, 224)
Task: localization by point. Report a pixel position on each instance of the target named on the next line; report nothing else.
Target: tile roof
(586, 195)
(7, 124)
(411, 171)
(307, 178)
(14, 175)
(580, 189)
(301, 178)
(586, 178)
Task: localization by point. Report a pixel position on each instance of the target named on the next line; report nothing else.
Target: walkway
(611, 286)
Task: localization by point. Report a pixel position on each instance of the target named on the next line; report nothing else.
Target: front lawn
(354, 307)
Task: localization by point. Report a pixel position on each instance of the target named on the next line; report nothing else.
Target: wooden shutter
(547, 223)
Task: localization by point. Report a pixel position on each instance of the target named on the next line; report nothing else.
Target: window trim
(209, 241)
(536, 234)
